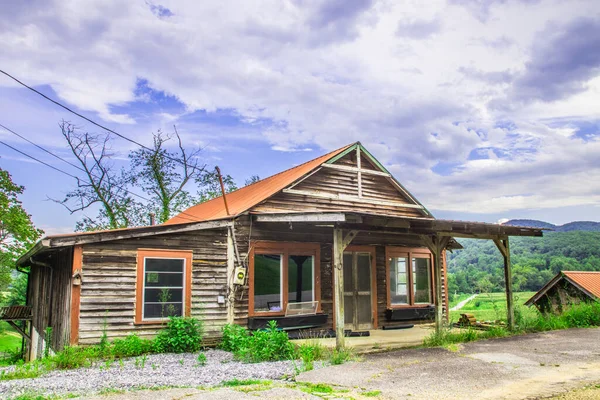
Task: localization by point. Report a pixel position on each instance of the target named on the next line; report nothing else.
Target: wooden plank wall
(297, 233)
(50, 298)
(109, 279)
(336, 182)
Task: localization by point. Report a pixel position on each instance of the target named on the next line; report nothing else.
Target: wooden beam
(18, 329)
(338, 292)
(348, 238)
(354, 199)
(340, 242)
(504, 247)
(230, 299)
(128, 233)
(436, 245)
(360, 194)
(355, 169)
(77, 268)
(302, 217)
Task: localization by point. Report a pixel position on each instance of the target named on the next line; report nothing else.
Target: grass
(244, 382)
(458, 298)
(10, 340)
(583, 315)
(492, 306)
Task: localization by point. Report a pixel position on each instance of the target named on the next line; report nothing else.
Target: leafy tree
(210, 187)
(17, 232)
(17, 291)
(251, 180)
(164, 174)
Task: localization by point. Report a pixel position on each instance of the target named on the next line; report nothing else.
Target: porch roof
(404, 225)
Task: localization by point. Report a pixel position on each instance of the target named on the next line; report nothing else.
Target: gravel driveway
(158, 370)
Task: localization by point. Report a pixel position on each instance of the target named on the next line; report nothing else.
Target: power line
(195, 219)
(92, 121)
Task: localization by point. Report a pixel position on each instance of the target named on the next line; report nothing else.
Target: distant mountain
(589, 226)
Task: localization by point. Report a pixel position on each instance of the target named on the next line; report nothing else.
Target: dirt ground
(533, 366)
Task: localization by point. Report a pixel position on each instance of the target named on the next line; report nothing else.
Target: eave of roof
(243, 199)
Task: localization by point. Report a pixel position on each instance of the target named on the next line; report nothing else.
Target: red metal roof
(245, 198)
(588, 280)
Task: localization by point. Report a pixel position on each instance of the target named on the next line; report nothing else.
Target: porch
(350, 240)
(379, 340)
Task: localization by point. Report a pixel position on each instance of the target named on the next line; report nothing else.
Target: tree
(210, 187)
(251, 180)
(17, 232)
(164, 174)
(100, 185)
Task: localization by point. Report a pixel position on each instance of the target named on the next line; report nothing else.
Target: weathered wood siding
(109, 279)
(247, 232)
(334, 182)
(49, 295)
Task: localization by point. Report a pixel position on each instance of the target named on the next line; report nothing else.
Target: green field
(491, 306)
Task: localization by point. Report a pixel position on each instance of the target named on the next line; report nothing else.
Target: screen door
(357, 291)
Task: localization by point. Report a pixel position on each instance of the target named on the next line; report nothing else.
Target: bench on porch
(410, 314)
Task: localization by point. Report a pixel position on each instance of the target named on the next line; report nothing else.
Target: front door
(357, 291)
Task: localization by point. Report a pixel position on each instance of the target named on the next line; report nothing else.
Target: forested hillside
(535, 261)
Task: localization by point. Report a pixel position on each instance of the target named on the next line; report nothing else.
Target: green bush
(234, 338)
(338, 357)
(72, 357)
(131, 346)
(310, 352)
(270, 344)
(182, 335)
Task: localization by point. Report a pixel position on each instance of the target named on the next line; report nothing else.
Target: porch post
(338, 271)
(340, 242)
(439, 314)
(436, 245)
(504, 247)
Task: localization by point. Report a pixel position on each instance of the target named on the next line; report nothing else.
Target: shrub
(182, 334)
(270, 344)
(131, 346)
(311, 352)
(74, 357)
(234, 338)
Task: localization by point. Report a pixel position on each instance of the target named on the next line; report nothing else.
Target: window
(282, 273)
(163, 284)
(409, 277)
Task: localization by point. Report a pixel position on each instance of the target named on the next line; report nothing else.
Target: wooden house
(566, 289)
(336, 242)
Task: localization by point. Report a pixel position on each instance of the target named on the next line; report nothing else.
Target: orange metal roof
(245, 198)
(588, 280)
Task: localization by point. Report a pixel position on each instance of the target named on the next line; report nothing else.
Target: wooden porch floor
(380, 340)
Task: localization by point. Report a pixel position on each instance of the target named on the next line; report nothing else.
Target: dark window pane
(163, 295)
(267, 282)
(422, 280)
(364, 272)
(164, 264)
(300, 278)
(348, 276)
(163, 310)
(398, 280)
(162, 279)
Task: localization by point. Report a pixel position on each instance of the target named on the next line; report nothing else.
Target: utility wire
(91, 121)
(195, 219)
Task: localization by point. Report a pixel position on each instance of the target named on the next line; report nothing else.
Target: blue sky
(482, 109)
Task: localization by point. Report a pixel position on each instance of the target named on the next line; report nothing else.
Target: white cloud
(414, 83)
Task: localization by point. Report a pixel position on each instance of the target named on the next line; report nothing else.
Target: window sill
(404, 306)
(288, 323)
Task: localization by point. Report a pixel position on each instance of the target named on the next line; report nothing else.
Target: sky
(483, 109)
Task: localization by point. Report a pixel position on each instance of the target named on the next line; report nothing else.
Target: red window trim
(187, 289)
(284, 248)
(410, 253)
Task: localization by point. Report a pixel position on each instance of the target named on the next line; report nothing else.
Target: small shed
(565, 289)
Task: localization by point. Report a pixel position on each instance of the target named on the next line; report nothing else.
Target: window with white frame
(163, 284)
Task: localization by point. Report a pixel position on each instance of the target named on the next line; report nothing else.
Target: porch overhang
(402, 225)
